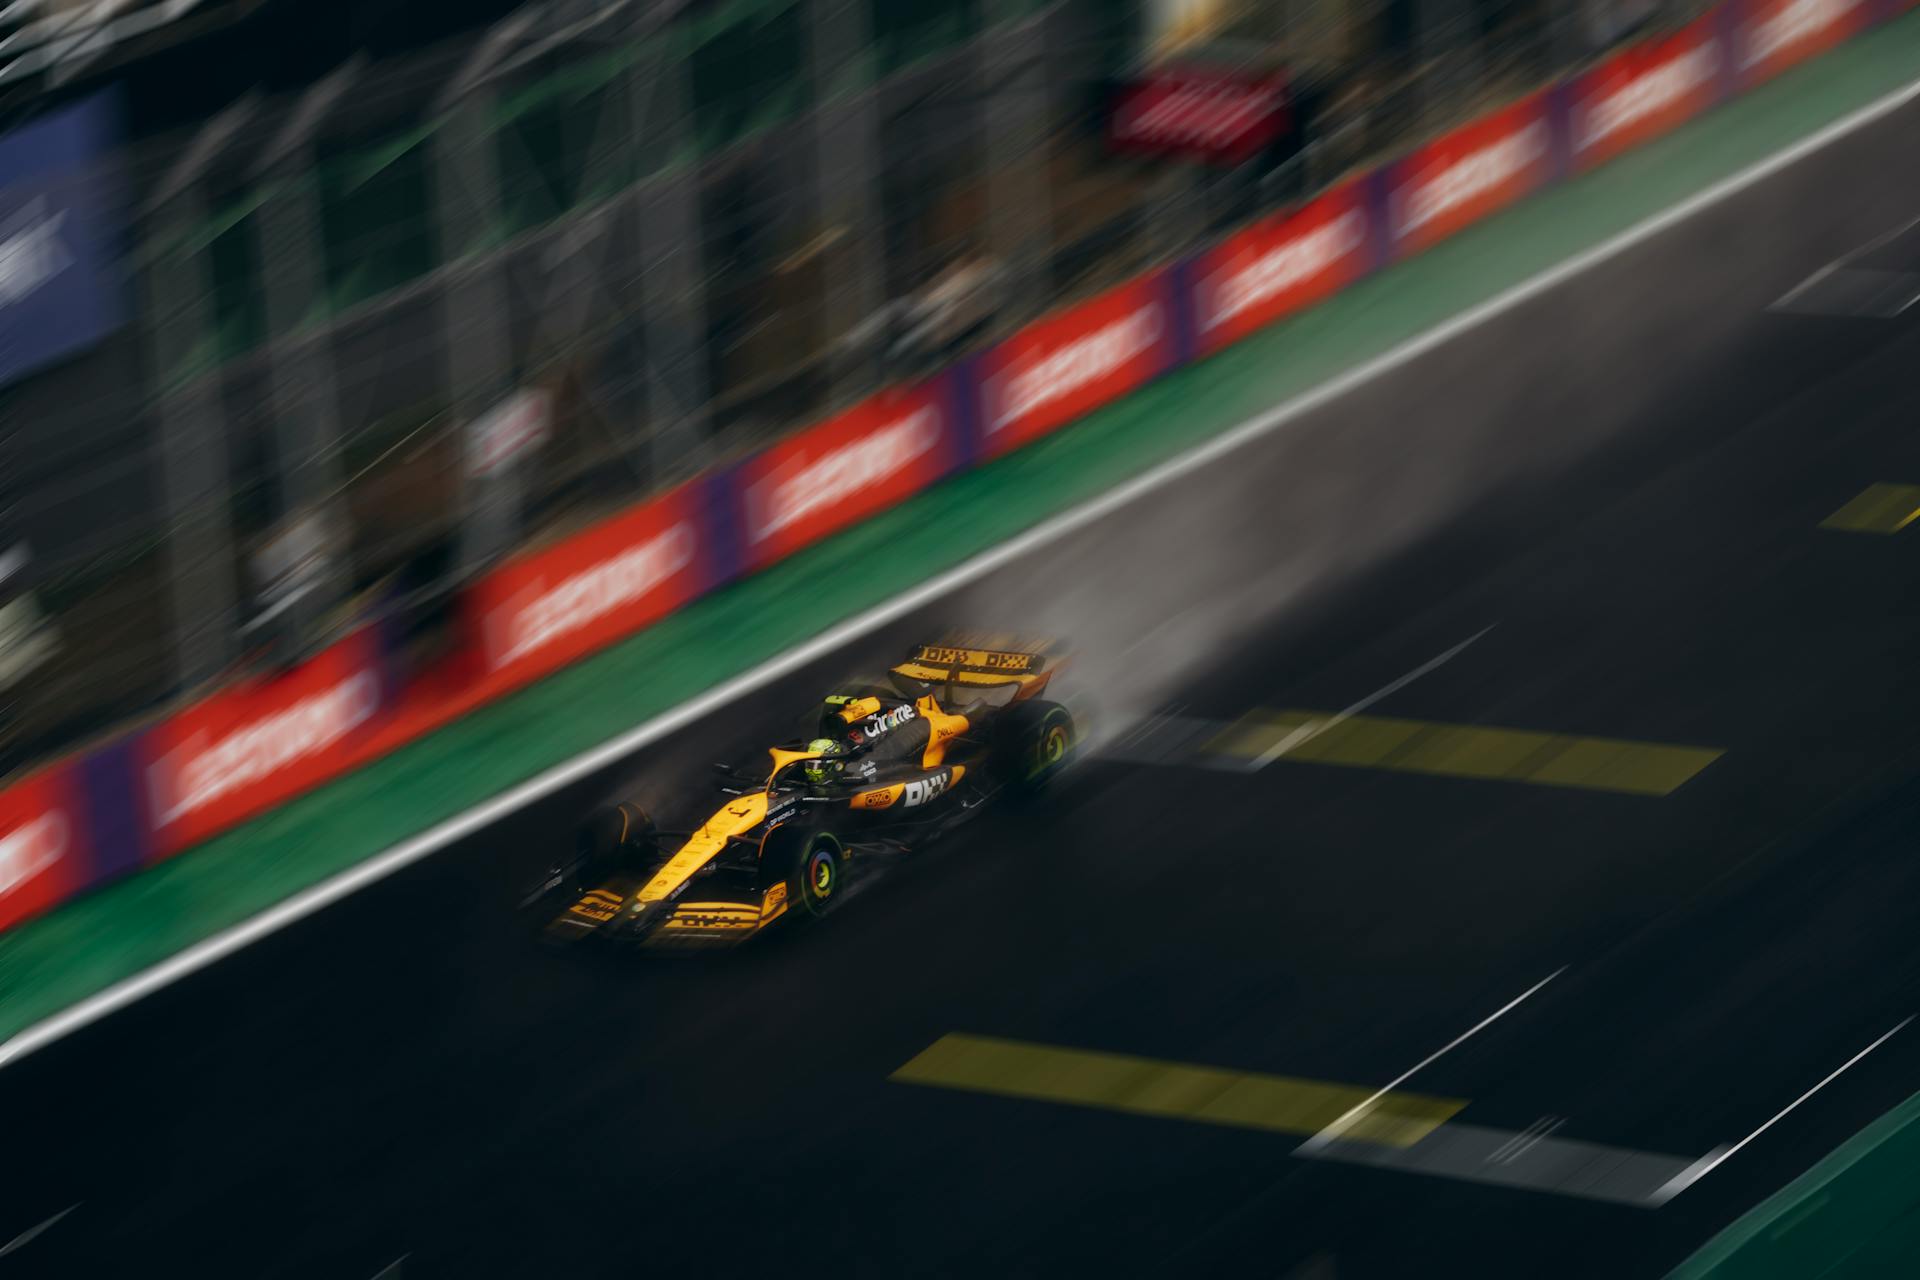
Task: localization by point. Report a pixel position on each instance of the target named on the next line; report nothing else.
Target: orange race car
(889, 766)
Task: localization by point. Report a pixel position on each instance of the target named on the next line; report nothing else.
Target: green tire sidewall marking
(820, 872)
(1050, 749)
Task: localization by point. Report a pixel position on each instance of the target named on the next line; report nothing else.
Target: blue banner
(60, 276)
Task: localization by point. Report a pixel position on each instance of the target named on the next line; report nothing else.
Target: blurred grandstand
(396, 288)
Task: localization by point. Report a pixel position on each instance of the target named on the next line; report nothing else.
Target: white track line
(1347, 1117)
(1720, 1155)
(32, 1233)
(1314, 728)
(1785, 300)
(303, 904)
(1879, 241)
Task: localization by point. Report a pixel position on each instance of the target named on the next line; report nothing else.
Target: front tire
(813, 865)
(820, 876)
(608, 840)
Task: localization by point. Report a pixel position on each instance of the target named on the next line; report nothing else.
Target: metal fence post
(304, 391)
(192, 430)
(846, 138)
(192, 443)
(474, 298)
(1448, 55)
(673, 278)
(1011, 75)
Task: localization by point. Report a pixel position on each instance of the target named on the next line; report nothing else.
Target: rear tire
(1036, 743)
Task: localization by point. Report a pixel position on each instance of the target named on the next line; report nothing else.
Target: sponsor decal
(1280, 265)
(992, 661)
(27, 639)
(846, 469)
(1199, 113)
(948, 728)
(31, 251)
(1071, 363)
(1644, 91)
(59, 202)
(43, 851)
(1469, 173)
(874, 726)
(31, 848)
(918, 793)
(543, 610)
(553, 612)
(845, 472)
(707, 918)
(1779, 33)
(1066, 369)
(250, 747)
(213, 770)
(508, 432)
(1284, 267)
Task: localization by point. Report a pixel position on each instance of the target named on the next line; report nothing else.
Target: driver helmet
(829, 762)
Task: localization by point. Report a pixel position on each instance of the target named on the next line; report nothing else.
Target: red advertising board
(43, 850)
(1072, 362)
(1643, 91)
(1465, 175)
(260, 743)
(1216, 115)
(1279, 265)
(879, 452)
(544, 609)
(1775, 34)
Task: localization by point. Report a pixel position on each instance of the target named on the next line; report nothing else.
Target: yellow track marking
(1880, 508)
(1181, 1091)
(1466, 751)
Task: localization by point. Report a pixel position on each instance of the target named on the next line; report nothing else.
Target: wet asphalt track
(1623, 477)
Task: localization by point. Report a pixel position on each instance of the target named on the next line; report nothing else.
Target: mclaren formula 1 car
(890, 766)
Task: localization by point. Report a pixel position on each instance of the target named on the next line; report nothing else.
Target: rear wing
(983, 663)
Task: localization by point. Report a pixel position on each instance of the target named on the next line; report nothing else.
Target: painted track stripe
(1173, 1090)
(1463, 751)
(305, 903)
(1399, 1132)
(1879, 508)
